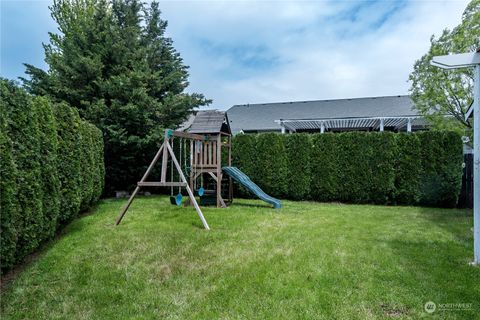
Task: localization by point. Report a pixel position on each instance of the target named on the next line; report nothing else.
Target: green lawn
(305, 261)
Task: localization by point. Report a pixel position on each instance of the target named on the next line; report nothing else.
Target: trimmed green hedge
(51, 168)
(298, 152)
(408, 168)
(244, 156)
(271, 164)
(325, 178)
(357, 167)
(442, 174)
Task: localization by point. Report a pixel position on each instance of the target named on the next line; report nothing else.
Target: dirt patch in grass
(393, 311)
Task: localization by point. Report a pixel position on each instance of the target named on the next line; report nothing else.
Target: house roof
(209, 121)
(259, 117)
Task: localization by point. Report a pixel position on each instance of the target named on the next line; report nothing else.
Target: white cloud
(249, 52)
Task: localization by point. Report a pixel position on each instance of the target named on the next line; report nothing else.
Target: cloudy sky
(266, 51)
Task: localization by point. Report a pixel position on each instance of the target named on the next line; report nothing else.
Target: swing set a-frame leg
(145, 176)
(165, 148)
(124, 210)
(189, 191)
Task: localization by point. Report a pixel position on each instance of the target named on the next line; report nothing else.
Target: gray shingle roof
(262, 116)
(210, 121)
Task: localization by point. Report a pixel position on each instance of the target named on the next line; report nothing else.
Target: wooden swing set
(205, 159)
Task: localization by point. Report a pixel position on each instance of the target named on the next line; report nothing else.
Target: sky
(269, 51)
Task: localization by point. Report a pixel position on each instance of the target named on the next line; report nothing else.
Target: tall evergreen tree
(112, 61)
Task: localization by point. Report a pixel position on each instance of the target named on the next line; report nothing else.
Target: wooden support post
(230, 182)
(163, 177)
(205, 153)
(124, 210)
(219, 170)
(214, 151)
(189, 191)
(192, 164)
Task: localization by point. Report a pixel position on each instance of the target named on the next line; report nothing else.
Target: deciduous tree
(437, 92)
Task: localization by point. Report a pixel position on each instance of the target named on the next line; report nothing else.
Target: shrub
(98, 163)
(380, 154)
(442, 172)
(87, 176)
(358, 167)
(354, 167)
(408, 168)
(49, 183)
(70, 160)
(9, 216)
(271, 164)
(244, 153)
(23, 130)
(298, 149)
(325, 167)
(244, 157)
(51, 163)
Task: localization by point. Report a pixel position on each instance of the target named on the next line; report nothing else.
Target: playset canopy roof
(208, 122)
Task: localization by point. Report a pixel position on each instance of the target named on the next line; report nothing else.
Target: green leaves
(51, 168)
(271, 166)
(436, 92)
(113, 62)
(442, 157)
(298, 150)
(355, 167)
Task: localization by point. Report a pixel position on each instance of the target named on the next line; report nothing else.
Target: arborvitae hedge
(380, 178)
(49, 183)
(442, 174)
(244, 156)
(377, 167)
(408, 168)
(9, 211)
(298, 147)
(271, 164)
(51, 167)
(325, 181)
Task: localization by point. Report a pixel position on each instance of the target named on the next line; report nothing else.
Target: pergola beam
(366, 123)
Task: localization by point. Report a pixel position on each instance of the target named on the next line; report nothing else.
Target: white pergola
(466, 60)
(374, 123)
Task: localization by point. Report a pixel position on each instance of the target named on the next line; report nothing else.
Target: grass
(305, 261)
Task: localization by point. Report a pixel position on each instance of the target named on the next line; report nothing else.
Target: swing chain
(180, 156)
(171, 171)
